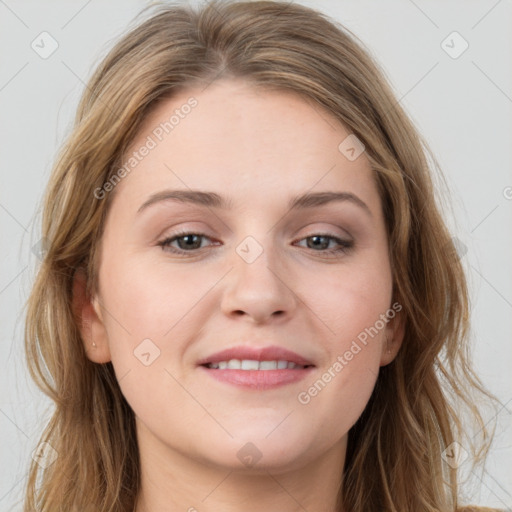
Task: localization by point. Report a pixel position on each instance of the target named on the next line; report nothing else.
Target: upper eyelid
(315, 231)
(342, 224)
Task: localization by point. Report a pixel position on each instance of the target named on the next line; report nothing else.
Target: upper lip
(271, 353)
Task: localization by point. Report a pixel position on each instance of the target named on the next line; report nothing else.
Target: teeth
(251, 364)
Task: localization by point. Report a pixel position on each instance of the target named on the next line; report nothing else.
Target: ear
(395, 331)
(89, 320)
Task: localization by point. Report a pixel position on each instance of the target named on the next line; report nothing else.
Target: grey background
(463, 106)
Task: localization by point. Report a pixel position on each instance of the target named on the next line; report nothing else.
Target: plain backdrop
(459, 98)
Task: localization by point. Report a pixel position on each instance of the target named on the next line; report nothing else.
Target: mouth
(257, 368)
(253, 364)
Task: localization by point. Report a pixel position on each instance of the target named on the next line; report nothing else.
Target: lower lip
(258, 379)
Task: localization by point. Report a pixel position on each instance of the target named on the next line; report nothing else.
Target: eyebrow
(214, 200)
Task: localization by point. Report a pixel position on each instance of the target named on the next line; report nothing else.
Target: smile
(251, 364)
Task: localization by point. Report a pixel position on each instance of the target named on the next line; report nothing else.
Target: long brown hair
(395, 458)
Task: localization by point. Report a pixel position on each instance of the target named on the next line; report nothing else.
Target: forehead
(240, 140)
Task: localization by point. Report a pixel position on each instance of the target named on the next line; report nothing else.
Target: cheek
(348, 300)
(358, 320)
(352, 305)
(149, 298)
(154, 310)
(140, 308)
(341, 389)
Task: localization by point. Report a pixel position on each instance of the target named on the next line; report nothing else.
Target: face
(263, 266)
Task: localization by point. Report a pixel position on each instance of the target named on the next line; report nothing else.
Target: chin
(255, 451)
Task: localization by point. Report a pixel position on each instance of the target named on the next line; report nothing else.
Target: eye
(189, 242)
(320, 241)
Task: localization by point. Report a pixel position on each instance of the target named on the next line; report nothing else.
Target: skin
(258, 149)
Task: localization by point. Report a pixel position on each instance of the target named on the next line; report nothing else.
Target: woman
(249, 298)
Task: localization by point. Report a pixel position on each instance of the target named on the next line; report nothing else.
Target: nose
(260, 290)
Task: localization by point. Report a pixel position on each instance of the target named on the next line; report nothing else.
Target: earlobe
(89, 320)
(395, 331)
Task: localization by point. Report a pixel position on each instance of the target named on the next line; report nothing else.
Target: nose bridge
(257, 285)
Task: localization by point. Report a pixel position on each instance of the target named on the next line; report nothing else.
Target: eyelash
(345, 245)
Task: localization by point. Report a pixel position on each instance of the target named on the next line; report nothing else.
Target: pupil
(189, 238)
(316, 240)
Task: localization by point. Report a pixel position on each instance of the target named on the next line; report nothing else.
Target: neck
(171, 481)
